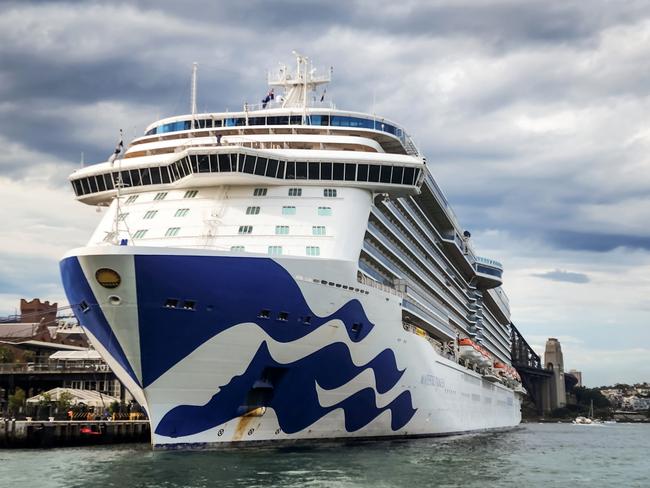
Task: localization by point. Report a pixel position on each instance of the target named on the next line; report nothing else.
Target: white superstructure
(289, 271)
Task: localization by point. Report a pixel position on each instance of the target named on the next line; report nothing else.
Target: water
(534, 455)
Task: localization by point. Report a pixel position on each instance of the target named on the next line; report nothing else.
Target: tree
(6, 355)
(17, 400)
(45, 399)
(65, 401)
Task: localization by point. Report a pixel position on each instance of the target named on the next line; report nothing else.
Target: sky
(534, 117)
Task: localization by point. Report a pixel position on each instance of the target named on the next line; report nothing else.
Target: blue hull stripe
(78, 290)
(225, 291)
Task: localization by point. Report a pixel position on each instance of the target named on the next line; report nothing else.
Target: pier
(42, 434)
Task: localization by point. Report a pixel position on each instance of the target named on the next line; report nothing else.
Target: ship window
(281, 168)
(249, 164)
(150, 214)
(126, 178)
(108, 179)
(181, 212)
(101, 186)
(172, 231)
(77, 187)
(214, 163)
(324, 211)
(288, 210)
(122, 216)
(409, 176)
(385, 174)
(295, 192)
(191, 193)
(164, 172)
(272, 168)
(259, 192)
(245, 229)
(203, 164)
(318, 230)
(264, 314)
(356, 328)
(135, 177)
(301, 171)
(224, 162)
(326, 171)
(306, 319)
(145, 176)
(252, 210)
(283, 316)
(281, 229)
(312, 251)
(329, 192)
(237, 248)
(350, 171)
(131, 199)
(260, 167)
(314, 171)
(171, 303)
(173, 171)
(84, 306)
(373, 173)
(275, 250)
(194, 165)
(362, 172)
(139, 234)
(338, 171)
(189, 305)
(84, 185)
(160, 196)
(291, 171)
(93, 184)
(295, 119)
(398, 172)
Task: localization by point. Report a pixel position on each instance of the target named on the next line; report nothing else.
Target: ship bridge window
(252, 210)
(362, 172)
(259, 192)
(350, 172)
(150, 214)
(314, 171)
(338, 171)
(329, 192)
(201, 164)
(164, 173)
(191, 193)
(295, 192)
(301, 171)
(224, 163)
(385, 174)
(160, 196)
(249, 164)
(373, 173)
(272, 168)
(260, 167)
(326, 171)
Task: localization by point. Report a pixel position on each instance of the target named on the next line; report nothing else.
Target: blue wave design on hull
(294, 398)
(228, 291)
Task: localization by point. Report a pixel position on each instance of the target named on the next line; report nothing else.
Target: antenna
(195, 66)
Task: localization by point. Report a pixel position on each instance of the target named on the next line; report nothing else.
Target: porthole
(114, 300)
(108, 278)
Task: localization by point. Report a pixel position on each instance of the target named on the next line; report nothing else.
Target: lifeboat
(468, 351)
(485, 359)
(500, 369)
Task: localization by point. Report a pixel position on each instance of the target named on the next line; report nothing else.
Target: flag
(118, 149)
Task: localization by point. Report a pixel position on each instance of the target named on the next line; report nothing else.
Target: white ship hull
(261, 349)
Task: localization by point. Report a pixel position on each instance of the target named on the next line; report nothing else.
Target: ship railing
(437, 345)
(365, 280)
(279, 103)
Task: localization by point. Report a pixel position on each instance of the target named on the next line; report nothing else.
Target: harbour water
(548, 455)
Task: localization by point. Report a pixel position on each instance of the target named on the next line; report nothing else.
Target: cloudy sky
(534, 116)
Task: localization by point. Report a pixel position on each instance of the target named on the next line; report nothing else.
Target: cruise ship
(290, 271)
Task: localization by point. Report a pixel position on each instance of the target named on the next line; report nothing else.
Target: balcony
(488, 272)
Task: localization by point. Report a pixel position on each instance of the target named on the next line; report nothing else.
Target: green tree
(7, 355)
(45, 400)
(17, 400)
(65, 401)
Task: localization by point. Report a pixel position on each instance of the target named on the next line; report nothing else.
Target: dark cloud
(586, 241)
(566, 276)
